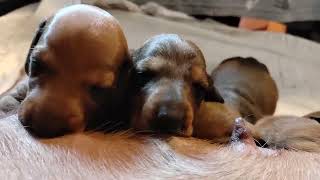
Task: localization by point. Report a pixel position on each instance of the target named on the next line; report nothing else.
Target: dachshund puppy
(246, 85)
(289, 132)
(169, 82)
(75, 66)
(216, 122)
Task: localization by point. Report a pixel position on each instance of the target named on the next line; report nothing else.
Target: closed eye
(143, 77)
(101, 94)
(37, 67)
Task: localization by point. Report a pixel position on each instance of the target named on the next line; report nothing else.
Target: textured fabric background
(279, 10)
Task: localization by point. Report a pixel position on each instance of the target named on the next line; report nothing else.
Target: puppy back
(248, 61)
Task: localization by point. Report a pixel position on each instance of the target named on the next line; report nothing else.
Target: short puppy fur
(75, 68)
(247, 86)
(169, 83)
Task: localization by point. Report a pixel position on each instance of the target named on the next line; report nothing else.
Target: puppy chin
(140, 125)
(77, 124)
(23, 111)
(188, 132)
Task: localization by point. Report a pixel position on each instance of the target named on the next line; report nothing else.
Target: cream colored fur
(124, 156)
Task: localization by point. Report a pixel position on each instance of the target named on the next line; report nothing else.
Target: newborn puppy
(216, 122)
(75, 66)
(169, 82)
(289, 132)
(246, 85)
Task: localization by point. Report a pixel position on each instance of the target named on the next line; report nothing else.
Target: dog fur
(123, 156)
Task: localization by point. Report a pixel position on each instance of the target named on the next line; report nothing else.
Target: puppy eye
(36, 67)
(100, 94)
(199, 92)
(143, 78)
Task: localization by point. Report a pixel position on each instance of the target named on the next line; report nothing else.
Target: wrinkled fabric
(278, 10)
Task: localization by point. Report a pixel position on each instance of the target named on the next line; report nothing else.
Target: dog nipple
(241, 137)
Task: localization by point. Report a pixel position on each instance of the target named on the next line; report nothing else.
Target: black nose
(170, 119)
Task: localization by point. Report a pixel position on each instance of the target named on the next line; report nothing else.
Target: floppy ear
(212, 93)
(34, 43)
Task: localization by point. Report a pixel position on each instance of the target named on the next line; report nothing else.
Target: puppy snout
(170, 119)
(48, 121)
(45, 125)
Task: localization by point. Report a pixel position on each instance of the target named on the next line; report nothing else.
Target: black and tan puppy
(248, 91)
(247, 86)
(74, 65)
(170, 81)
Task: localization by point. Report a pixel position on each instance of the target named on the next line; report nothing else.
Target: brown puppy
(74, 68)
(215, 121)
(289, 132)
(246, 85)
(170, 81)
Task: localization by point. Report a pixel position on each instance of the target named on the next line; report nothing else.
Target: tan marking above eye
(108, 79)
(153, 64)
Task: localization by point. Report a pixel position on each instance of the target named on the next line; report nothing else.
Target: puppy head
(73, 67)
(170, 81)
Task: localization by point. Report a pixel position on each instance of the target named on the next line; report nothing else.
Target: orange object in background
(276, 27)
(261, 25)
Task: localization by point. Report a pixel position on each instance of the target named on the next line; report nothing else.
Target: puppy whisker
(266, 142)
(145, 131)
(99, 127)
(247, 116)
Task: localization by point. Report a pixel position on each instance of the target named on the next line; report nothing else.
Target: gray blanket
(279, 10)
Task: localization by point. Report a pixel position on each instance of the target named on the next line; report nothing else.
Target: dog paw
(214, 121)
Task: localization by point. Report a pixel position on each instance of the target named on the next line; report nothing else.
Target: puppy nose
(169, 119)
(45, 126)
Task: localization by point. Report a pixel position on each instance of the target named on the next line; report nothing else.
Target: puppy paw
(214, 121)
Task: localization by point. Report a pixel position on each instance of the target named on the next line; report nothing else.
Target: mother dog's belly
(123, 156)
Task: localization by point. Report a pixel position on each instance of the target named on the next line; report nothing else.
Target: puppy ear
(212, 93)
(34, 42)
